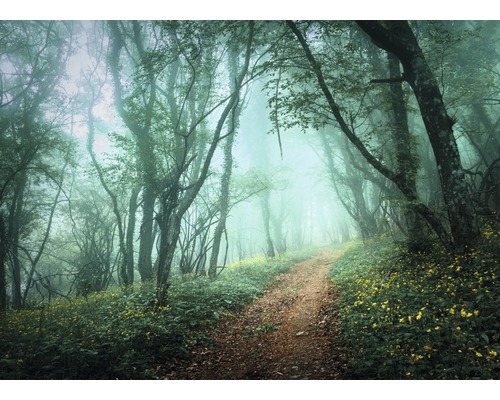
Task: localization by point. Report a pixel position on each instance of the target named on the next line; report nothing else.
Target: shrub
(429, 316)
(117, 334)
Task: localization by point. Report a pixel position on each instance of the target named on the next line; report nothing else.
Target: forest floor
(290, 332)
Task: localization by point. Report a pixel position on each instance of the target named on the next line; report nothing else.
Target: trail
(290, 332)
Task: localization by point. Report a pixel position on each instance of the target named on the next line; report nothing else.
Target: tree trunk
(224, 205)
(397, 37)
(129, 241)
(3, 254)
(266, 217)
(141, 129)
(170, 227)
(144, 263)
(226, 175)
(34, 261)
(15, 218)
(122, 271)
(406, 163)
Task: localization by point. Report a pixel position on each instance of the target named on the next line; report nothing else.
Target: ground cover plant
(117, 334)
(424, 316)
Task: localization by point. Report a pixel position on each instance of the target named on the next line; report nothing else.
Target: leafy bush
(116, 334)
(429, 316)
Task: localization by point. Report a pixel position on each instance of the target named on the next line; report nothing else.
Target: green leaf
(485, 337)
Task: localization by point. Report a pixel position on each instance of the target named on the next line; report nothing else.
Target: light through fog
(249, 199)
(159, 148)
(296, 161)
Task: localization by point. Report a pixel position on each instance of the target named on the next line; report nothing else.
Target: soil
(290, 332)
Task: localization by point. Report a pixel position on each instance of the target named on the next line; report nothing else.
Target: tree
(397, 37)
(224, 203)
(137, 111)
(33, 60)
(173, 206)
(94, 233)
(165, 97)
(397, 178)
(350, 185)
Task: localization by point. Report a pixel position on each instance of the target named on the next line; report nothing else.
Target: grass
(424, 316)
(115, 334)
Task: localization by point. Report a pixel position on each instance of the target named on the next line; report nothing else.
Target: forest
(159, 177)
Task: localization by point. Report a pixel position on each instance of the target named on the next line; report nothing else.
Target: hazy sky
(257, 9)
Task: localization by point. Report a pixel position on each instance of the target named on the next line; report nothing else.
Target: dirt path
(288, 333)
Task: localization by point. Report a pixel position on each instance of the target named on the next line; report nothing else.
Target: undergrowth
(117, 334)
(424, 316)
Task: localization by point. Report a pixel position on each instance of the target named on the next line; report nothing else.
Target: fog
(136, 151)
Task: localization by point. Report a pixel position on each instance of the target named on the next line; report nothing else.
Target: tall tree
(224, 203)
(137, 111)
(174, 200)
(348, 129)
(406, 162)
(166, 89)
(33, 56)
(398, 38)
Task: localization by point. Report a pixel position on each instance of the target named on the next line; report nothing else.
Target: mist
(138, 151)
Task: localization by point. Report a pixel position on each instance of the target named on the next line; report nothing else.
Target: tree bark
(397, 37)
(129, 240)
(15, 217)
(406, 163)
(3, 254)
(226, 174)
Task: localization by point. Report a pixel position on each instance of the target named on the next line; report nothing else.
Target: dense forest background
(134, 150)
(138, 153)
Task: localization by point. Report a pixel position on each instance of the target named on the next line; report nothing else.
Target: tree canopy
(139, 150)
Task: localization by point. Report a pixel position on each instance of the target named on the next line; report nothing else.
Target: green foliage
(430, 316)
(117, 334)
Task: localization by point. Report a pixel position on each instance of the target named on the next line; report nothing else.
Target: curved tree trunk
(174, 204)
(141, 129)
(397, 178)
(397, 37)
(226, 174)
